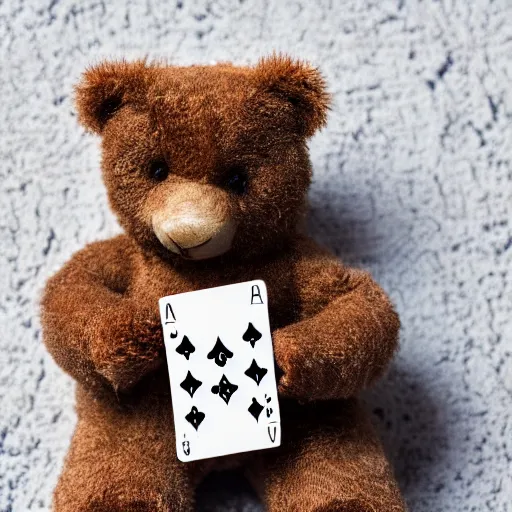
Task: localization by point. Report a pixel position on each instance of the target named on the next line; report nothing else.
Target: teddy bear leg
(330, 461)
(124, 470)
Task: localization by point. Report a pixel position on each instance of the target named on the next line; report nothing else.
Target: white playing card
(221, 368)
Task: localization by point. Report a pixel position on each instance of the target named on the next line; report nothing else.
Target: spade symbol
(225, 389)
(190, 384)
(255, 409)
(195, 417)
(185, 348)
(220, 353)
(252, 335)
(186, 447)
(255, 372)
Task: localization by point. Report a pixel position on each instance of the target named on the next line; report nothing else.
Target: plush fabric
(334, 330)
(410, 181)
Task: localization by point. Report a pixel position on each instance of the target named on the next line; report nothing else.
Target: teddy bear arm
(346, 336)
(90, 324)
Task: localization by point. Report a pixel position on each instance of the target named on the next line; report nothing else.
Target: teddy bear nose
(187, 233)
(198, 239)
(195, 222)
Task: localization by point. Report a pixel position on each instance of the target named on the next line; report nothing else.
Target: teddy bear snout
(195, 222)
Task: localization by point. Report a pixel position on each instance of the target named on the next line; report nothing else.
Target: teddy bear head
(204, 161)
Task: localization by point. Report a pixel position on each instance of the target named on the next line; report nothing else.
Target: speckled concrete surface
(413, 180)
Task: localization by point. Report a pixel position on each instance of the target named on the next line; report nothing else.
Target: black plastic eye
(159, 170)
(237, 182)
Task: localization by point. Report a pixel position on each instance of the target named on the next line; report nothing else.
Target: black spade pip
(225, 389)
(185, 348)
(252, 335)
(255, 409)
(190, 384)
(195, 417)
(220, 353)
(255, 372)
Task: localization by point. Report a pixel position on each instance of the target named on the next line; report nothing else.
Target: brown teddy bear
(207, 168)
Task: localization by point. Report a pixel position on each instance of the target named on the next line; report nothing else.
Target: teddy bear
(207, 169)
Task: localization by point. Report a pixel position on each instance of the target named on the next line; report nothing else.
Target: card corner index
(258, 291)
(274, 433)
(261, 283)
(162, 305)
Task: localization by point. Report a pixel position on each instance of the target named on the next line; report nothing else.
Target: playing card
(221, 369)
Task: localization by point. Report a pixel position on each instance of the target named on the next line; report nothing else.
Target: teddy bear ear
(298, 84)
(106, 88)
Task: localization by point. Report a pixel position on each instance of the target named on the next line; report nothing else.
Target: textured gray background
(413, 180)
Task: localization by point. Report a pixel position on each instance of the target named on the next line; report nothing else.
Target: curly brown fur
(334, 329)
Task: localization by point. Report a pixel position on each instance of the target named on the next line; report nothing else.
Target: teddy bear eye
(159, 170)
(237, 181)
